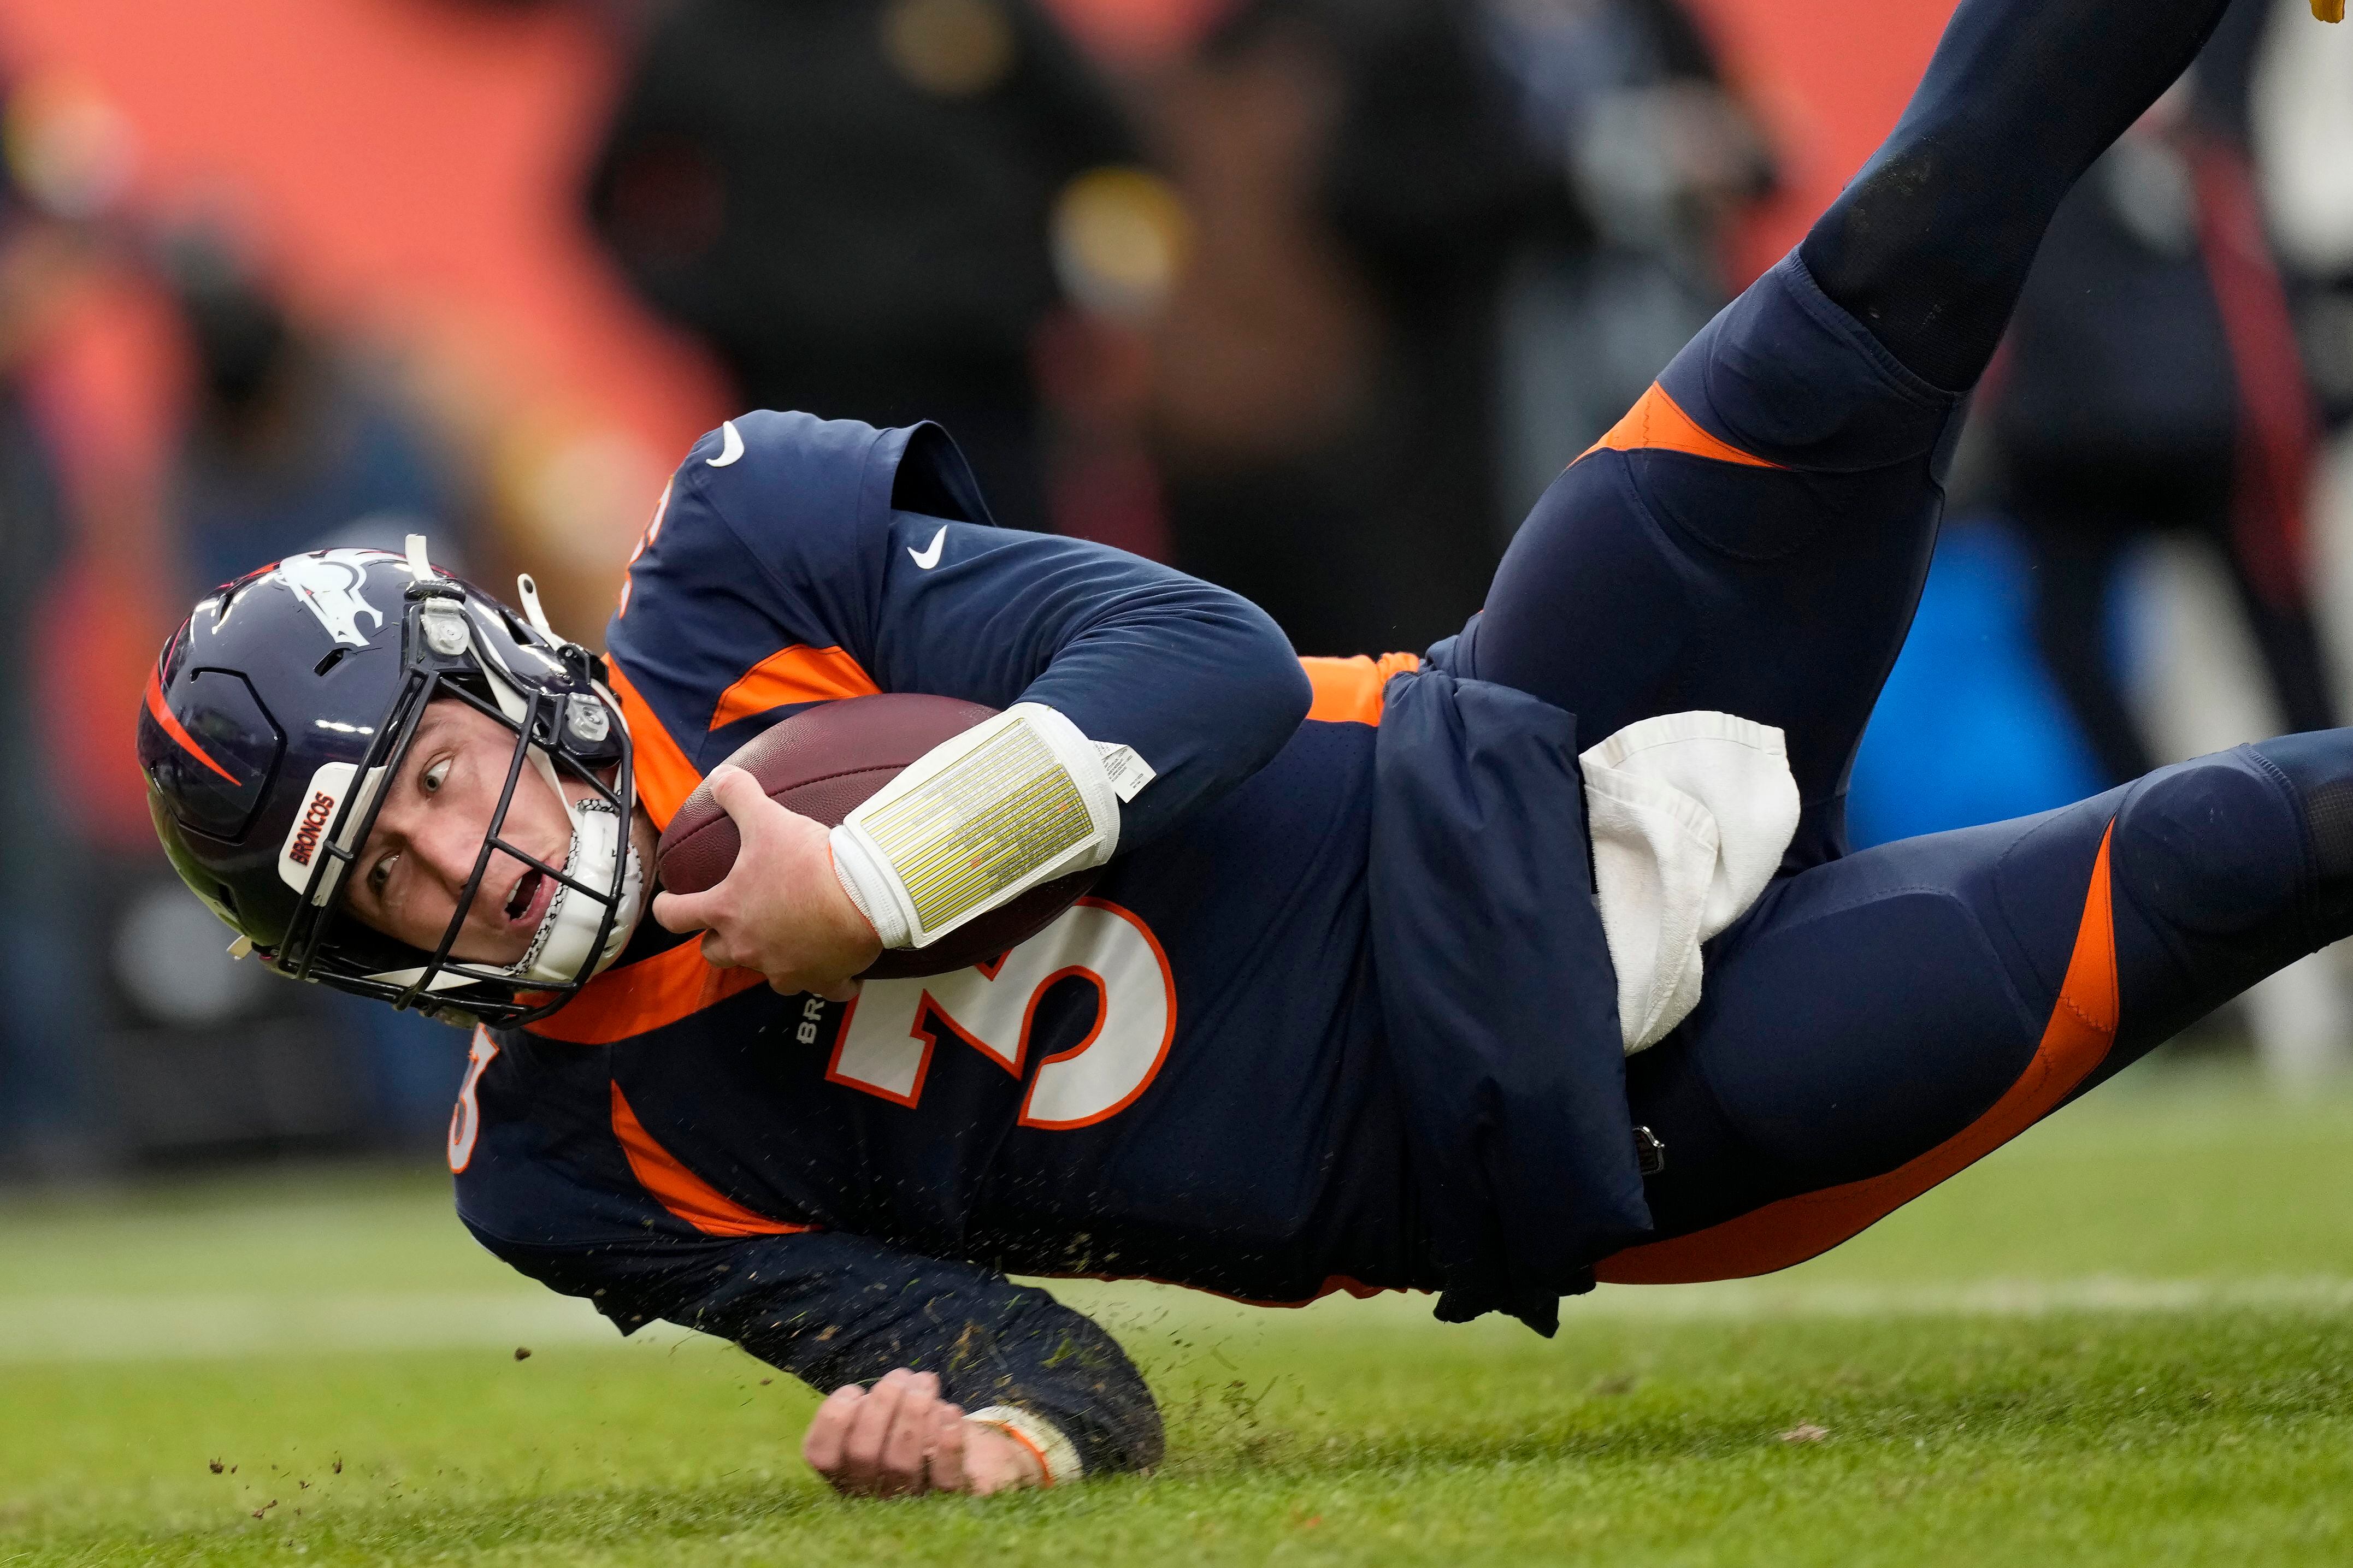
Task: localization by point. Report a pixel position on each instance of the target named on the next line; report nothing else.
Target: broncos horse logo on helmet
(273, 720)
(329, 583)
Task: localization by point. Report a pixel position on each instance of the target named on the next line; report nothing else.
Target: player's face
(437, 811)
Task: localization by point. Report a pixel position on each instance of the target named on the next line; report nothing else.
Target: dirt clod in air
(339, 1465)
(522, 1352)
(214, 1466)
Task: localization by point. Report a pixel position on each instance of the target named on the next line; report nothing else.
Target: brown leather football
(824, 762)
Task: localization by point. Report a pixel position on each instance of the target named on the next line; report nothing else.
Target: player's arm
(1195, 679)
(1130, 692)
(939, 1375)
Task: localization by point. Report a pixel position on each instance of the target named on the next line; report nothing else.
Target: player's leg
(1753, 537)
(1879, 1023)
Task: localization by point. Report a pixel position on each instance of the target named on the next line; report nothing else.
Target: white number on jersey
(466, 1116)
(885, 1045)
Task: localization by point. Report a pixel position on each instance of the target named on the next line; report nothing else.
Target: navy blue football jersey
(1182, 1078)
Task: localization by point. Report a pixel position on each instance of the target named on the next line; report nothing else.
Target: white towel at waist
(1689, 814)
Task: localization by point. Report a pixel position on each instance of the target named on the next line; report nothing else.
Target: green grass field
(2126, 1339)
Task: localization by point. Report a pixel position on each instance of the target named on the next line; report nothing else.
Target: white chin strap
(599, 835)
(560, 947)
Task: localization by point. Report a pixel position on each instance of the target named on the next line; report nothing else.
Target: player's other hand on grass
(780, 910)
(900, 1438)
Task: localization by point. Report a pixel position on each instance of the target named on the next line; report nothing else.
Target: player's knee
(1789, 376)
(2318, 766)
(2214, 846)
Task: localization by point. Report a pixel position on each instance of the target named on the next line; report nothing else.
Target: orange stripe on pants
(1657, 423)
(2083, 1027)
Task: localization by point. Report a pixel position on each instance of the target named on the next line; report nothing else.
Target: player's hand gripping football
(900, 1438)
(780, 910)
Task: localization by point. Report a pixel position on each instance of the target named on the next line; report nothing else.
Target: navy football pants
(1753, 538)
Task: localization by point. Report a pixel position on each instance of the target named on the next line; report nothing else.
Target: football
(825, 762)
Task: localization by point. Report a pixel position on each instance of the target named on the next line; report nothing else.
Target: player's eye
(379, 875)
(433, 778)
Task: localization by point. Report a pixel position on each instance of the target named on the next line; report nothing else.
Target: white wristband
(1057, 1456)
(978, 820)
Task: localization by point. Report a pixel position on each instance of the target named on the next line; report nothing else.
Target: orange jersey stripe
(178, 731)
(2083, 1027)
(1657, 423)
(665, 778)
(792, 675)
(1351, 690)
(679, 1189)
(623, 1003)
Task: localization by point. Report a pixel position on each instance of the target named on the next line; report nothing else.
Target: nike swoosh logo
(929, 556)
(731, 440)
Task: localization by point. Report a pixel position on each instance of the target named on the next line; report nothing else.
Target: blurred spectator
(2152, 383)
(293, 440)
(1626, 99)
(849, 200)
(49, 1122)
(2300, 122)
(1324, 386)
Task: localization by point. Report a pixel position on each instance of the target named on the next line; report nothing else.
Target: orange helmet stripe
(178, 731)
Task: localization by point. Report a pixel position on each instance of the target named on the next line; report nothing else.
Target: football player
(1394, 974)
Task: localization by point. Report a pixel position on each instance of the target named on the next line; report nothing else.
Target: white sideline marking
(132, 1327)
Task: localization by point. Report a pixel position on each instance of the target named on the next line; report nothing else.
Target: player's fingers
(947, 1448)
(683, 912)
(719, 951)
(909, 1442)
(870, 1427)
(821, 1444)
(739, 795)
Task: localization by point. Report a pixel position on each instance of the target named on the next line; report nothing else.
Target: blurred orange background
(411, 171)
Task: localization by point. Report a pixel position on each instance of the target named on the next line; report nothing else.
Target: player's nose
(448, 848)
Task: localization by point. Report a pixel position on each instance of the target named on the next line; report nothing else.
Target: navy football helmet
(287, 698)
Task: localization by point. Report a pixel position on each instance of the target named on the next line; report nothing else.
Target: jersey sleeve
(798, 559)
(1195, 679)
(832, 1309)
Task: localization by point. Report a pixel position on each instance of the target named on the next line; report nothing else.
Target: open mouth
(525, 894)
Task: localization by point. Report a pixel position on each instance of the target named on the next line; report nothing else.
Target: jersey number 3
(466, 1116)
(888, 1036)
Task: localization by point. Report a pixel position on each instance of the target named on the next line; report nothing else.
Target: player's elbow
(1233, 665)
(1276, 696)
(1289, 695)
